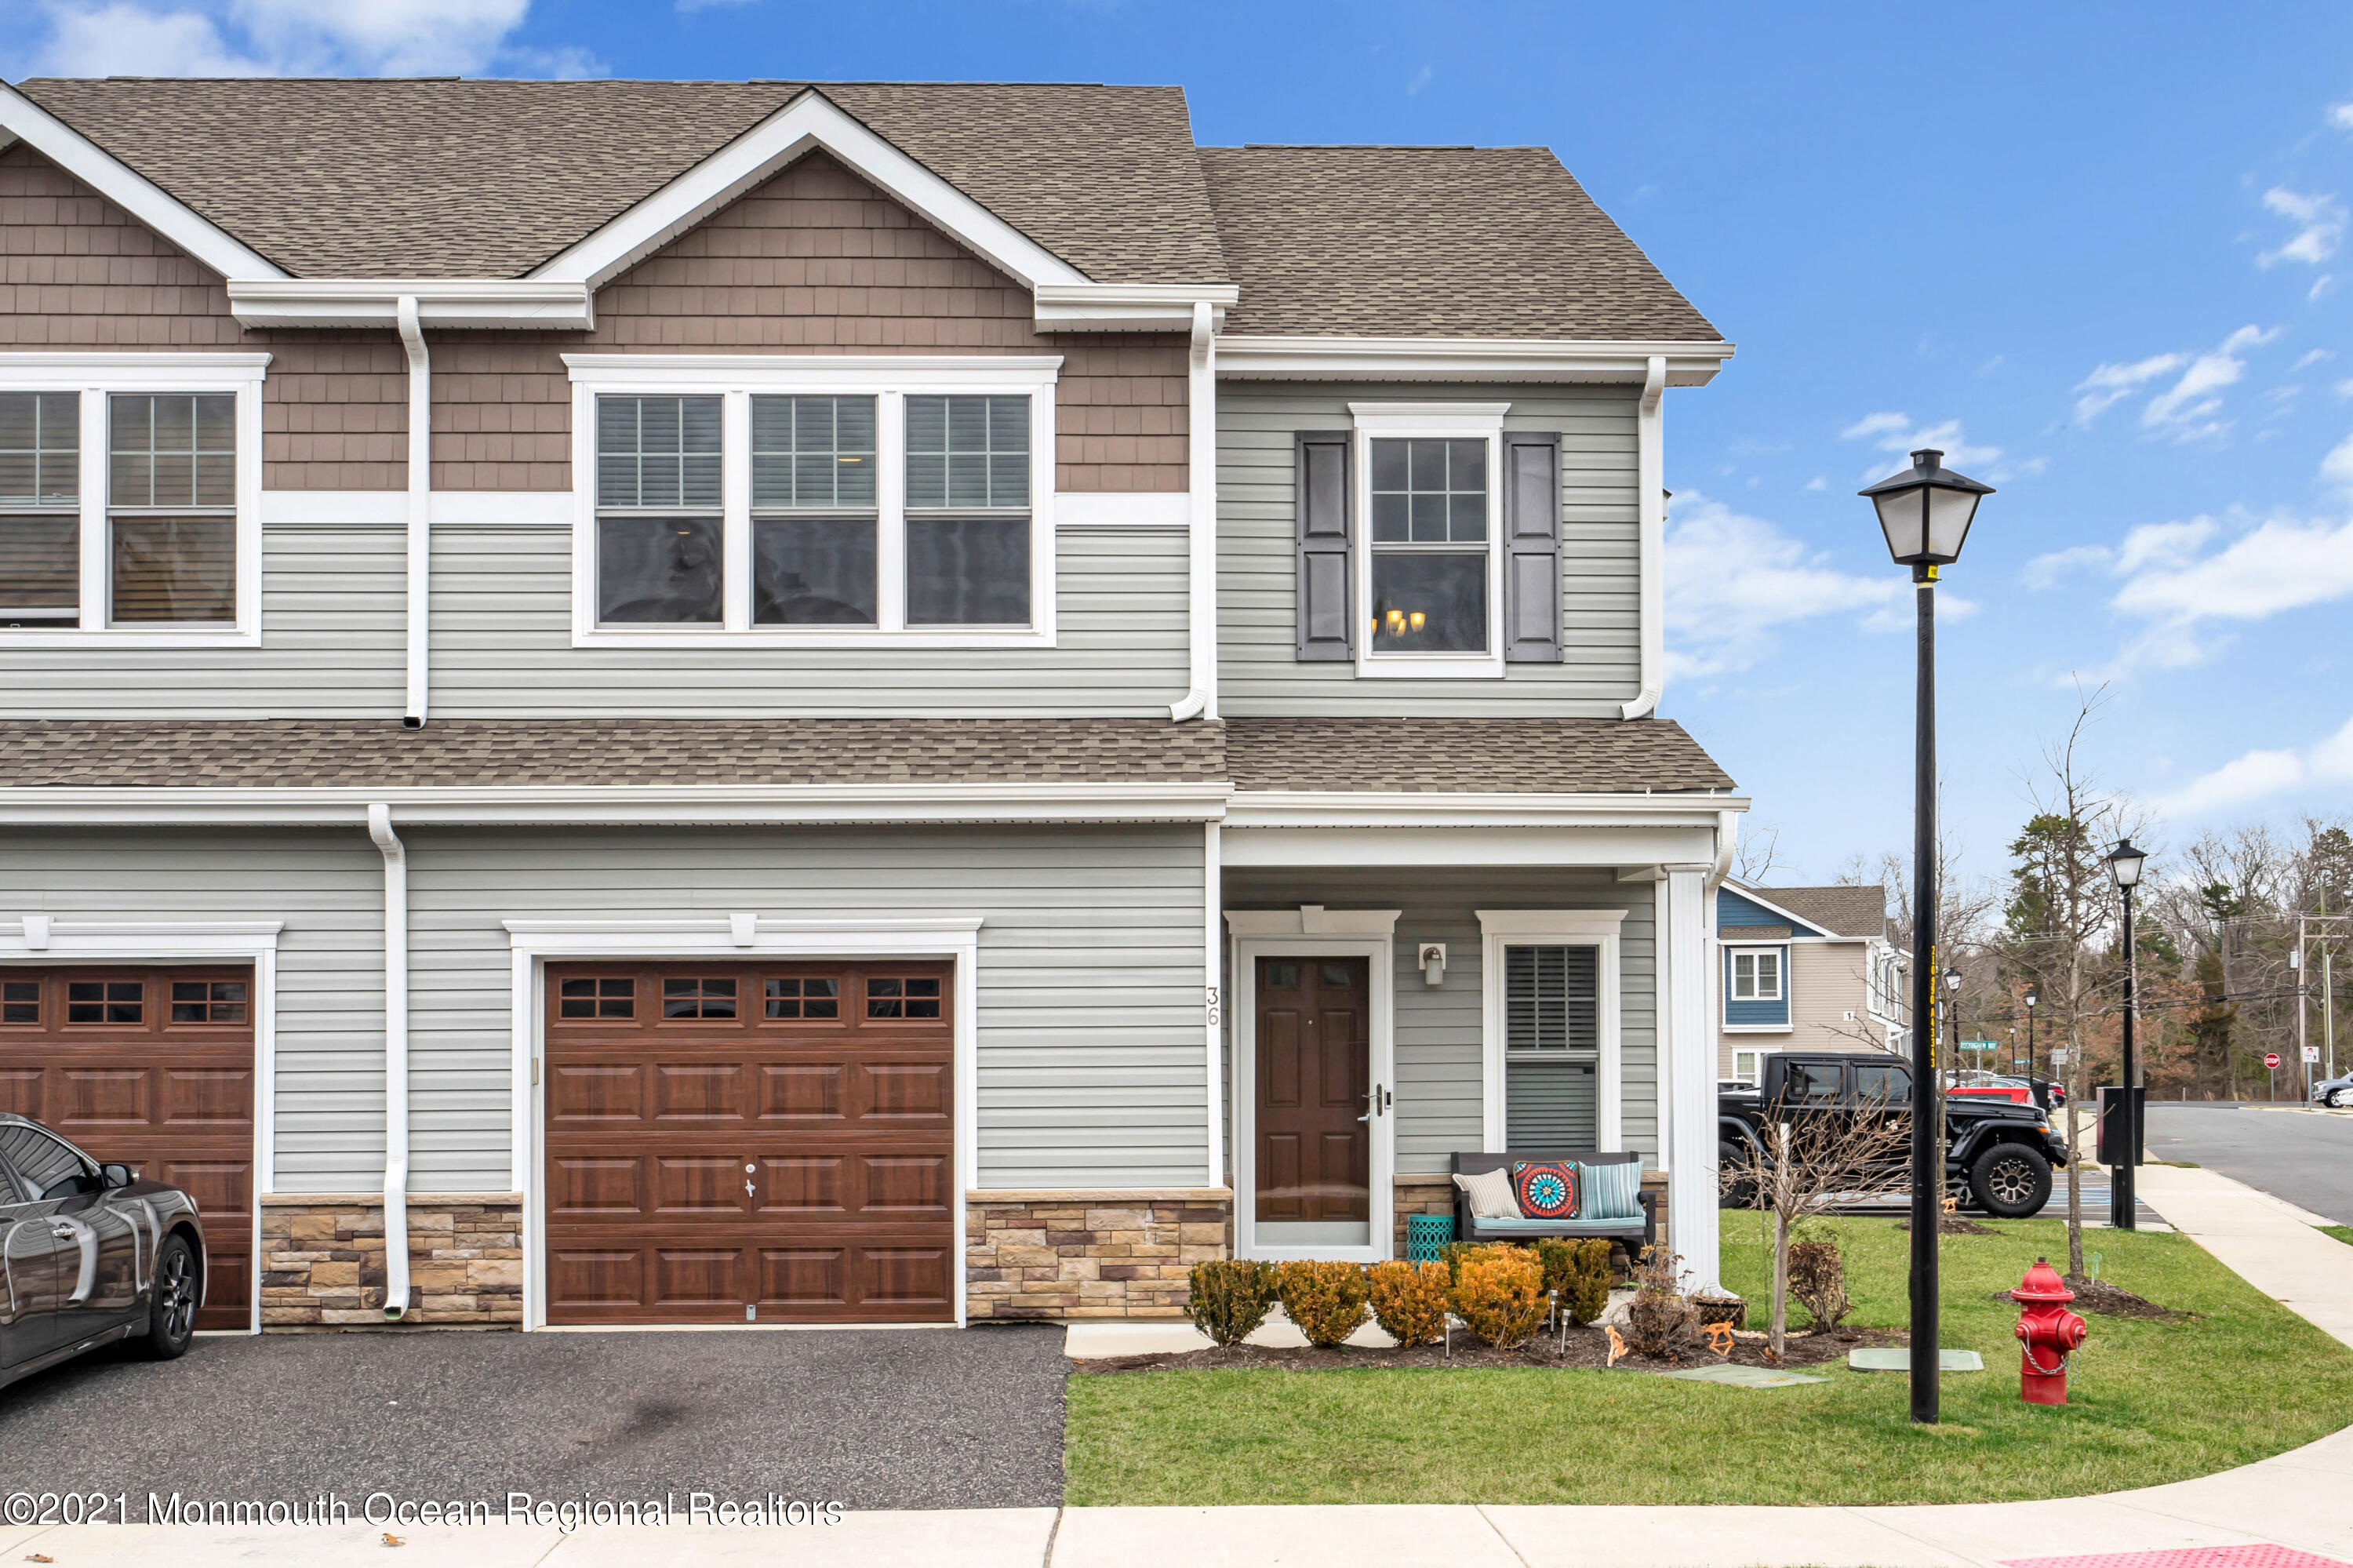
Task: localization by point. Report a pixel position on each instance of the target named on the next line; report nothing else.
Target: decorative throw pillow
(1547, 1190)
(1612, 1191)
(1489, 1192)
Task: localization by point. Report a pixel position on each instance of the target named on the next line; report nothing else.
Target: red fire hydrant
(2046, 1332)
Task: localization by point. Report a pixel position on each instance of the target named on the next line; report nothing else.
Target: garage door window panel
(109, 1002)
(20, 1002)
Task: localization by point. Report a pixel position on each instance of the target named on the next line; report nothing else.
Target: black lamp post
(2124, 869)
(1925, 513)
(1953, 1009)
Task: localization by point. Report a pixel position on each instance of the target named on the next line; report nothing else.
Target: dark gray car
(89, 1254)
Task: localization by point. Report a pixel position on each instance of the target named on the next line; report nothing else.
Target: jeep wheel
(2011, 1181)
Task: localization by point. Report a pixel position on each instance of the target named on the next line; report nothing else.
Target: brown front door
(750, 1142)
(152, 1067)
(1314, 1081)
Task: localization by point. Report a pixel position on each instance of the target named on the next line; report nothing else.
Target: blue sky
(2098, 253)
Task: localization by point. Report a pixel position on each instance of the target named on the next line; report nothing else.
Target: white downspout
(420, 510)
(395, 1060)
(1201, 477)
(1650, 502)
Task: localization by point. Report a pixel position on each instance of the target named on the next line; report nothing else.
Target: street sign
(2058, 1056)
(2312, 1052)
(2271, 1060)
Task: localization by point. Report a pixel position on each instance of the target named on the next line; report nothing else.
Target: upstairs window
(1429, 546)
(820, 502)
(1756, 975)
(40, 509)
(129, 496)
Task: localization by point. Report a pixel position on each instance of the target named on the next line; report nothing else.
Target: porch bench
(1635, 1233)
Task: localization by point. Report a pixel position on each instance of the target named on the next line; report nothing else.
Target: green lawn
(2152, 1403)
(2342, 1233)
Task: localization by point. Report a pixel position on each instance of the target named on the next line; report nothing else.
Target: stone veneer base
(1107, 1252)
(323, 1264)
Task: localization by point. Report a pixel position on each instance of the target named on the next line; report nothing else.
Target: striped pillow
(1611, 1191)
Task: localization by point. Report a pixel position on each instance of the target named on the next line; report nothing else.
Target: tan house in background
(1803, 969)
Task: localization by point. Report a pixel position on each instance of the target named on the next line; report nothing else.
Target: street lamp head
(1924, 512)
(2034, 998)
(2123, 864)
(1952, 979)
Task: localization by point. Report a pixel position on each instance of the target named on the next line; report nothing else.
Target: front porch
(1401, 995)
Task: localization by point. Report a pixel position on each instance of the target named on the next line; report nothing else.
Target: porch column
(1688, 1058)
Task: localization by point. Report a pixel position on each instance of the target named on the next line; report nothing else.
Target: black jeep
(1998, 1153)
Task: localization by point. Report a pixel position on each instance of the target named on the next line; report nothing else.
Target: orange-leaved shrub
(1409, 1300)
(1326, 1300)
(1230, 1298)
(1499, 1292)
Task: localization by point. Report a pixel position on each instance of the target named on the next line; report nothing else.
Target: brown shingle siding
(76, 272)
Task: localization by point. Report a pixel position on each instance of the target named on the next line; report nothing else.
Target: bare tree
(1757, 857)
(1819, 1161)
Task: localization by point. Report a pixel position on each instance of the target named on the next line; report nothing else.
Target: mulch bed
(2099, 1295)
(1588, 1350)
(1955, 1225)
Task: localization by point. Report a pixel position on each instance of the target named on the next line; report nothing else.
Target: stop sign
(2271, 1060)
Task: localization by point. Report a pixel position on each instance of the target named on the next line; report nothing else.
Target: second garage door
(764, 1143)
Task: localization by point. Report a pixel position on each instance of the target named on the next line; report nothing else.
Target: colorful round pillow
(1545, 1191)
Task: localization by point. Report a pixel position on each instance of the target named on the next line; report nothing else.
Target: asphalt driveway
(874, 1419)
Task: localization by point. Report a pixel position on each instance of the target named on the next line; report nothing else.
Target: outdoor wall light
(1924, 512)
(1433, 963)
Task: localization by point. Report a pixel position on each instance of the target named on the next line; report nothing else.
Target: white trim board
(1246, 356)
(807, 122)
(36, 938)
(532, 943)
(1598, 928)
(1368, 933)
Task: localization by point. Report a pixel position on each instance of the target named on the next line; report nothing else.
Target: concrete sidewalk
(2294, 1500)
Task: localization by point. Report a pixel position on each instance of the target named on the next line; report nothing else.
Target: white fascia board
(776, 805)
(101, 369)
(1248, 357)
(141, 198)
(810, 120)
(484, 303)
(1373, 808)
(1129, 307)
(1606, 847)
(817, 372)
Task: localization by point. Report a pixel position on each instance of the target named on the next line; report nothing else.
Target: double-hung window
(1756, 974)
(1756, 989)
(130, 491)
(815, 502)
(1429, 572)
(1550, 1029)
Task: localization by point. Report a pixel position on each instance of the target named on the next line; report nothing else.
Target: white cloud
(2320, 221)
(1893, 433)
(2336, 468)
(1733, 580)
(270, 38)
(2278, 565)
(1820, 482)
(1420, 79)
(2191, 408)
(2261, 774)
(2111, 384)
(2341, 116)
(2312, 357)
(2049, 571)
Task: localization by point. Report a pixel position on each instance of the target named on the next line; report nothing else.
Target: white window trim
(1740, 1051)
(45, 939)
(1735, 952)
(97, 375)
(1731, 950)
(1501, 928)
(532, 944)
(888, 378)
(1406, 421)
(1313, 932)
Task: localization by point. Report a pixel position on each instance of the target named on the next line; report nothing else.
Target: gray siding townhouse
(661, 703)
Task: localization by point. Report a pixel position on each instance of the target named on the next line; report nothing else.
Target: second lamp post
(1925, 513)
(2124, 1132)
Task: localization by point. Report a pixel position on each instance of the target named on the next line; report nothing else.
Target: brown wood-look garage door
(152, 1067)
(764, 1142)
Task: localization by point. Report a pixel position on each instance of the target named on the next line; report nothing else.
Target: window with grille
(209, 1001)
(1756, 975)
(659, 494)
(803, 998)
(599, 996)
(968, 456)
(40, 509)
(1552, 1035)
(171, 507)
(20, 1002)
(815, 524)
(1430, 545)
(903, 998)
(697, 998)
(106, 1001)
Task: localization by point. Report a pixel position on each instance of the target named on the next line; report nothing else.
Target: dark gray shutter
(1327, 628)
(1532, 549)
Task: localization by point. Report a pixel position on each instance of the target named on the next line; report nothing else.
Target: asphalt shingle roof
(1432, 242)
(1500, 754)
(1563, 755)
(446, 178)
(1843, 910)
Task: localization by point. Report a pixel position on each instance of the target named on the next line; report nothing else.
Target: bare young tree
(1757, 857)
(1818, 1161)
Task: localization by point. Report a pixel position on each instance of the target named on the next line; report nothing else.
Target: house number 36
(1213, 1003)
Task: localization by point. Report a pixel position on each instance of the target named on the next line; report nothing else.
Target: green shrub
(1409, 1300)
(1326, 1300)
(1230, 1298)
(1584, 1294)
(1499, 1293)
(1556, 1257)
